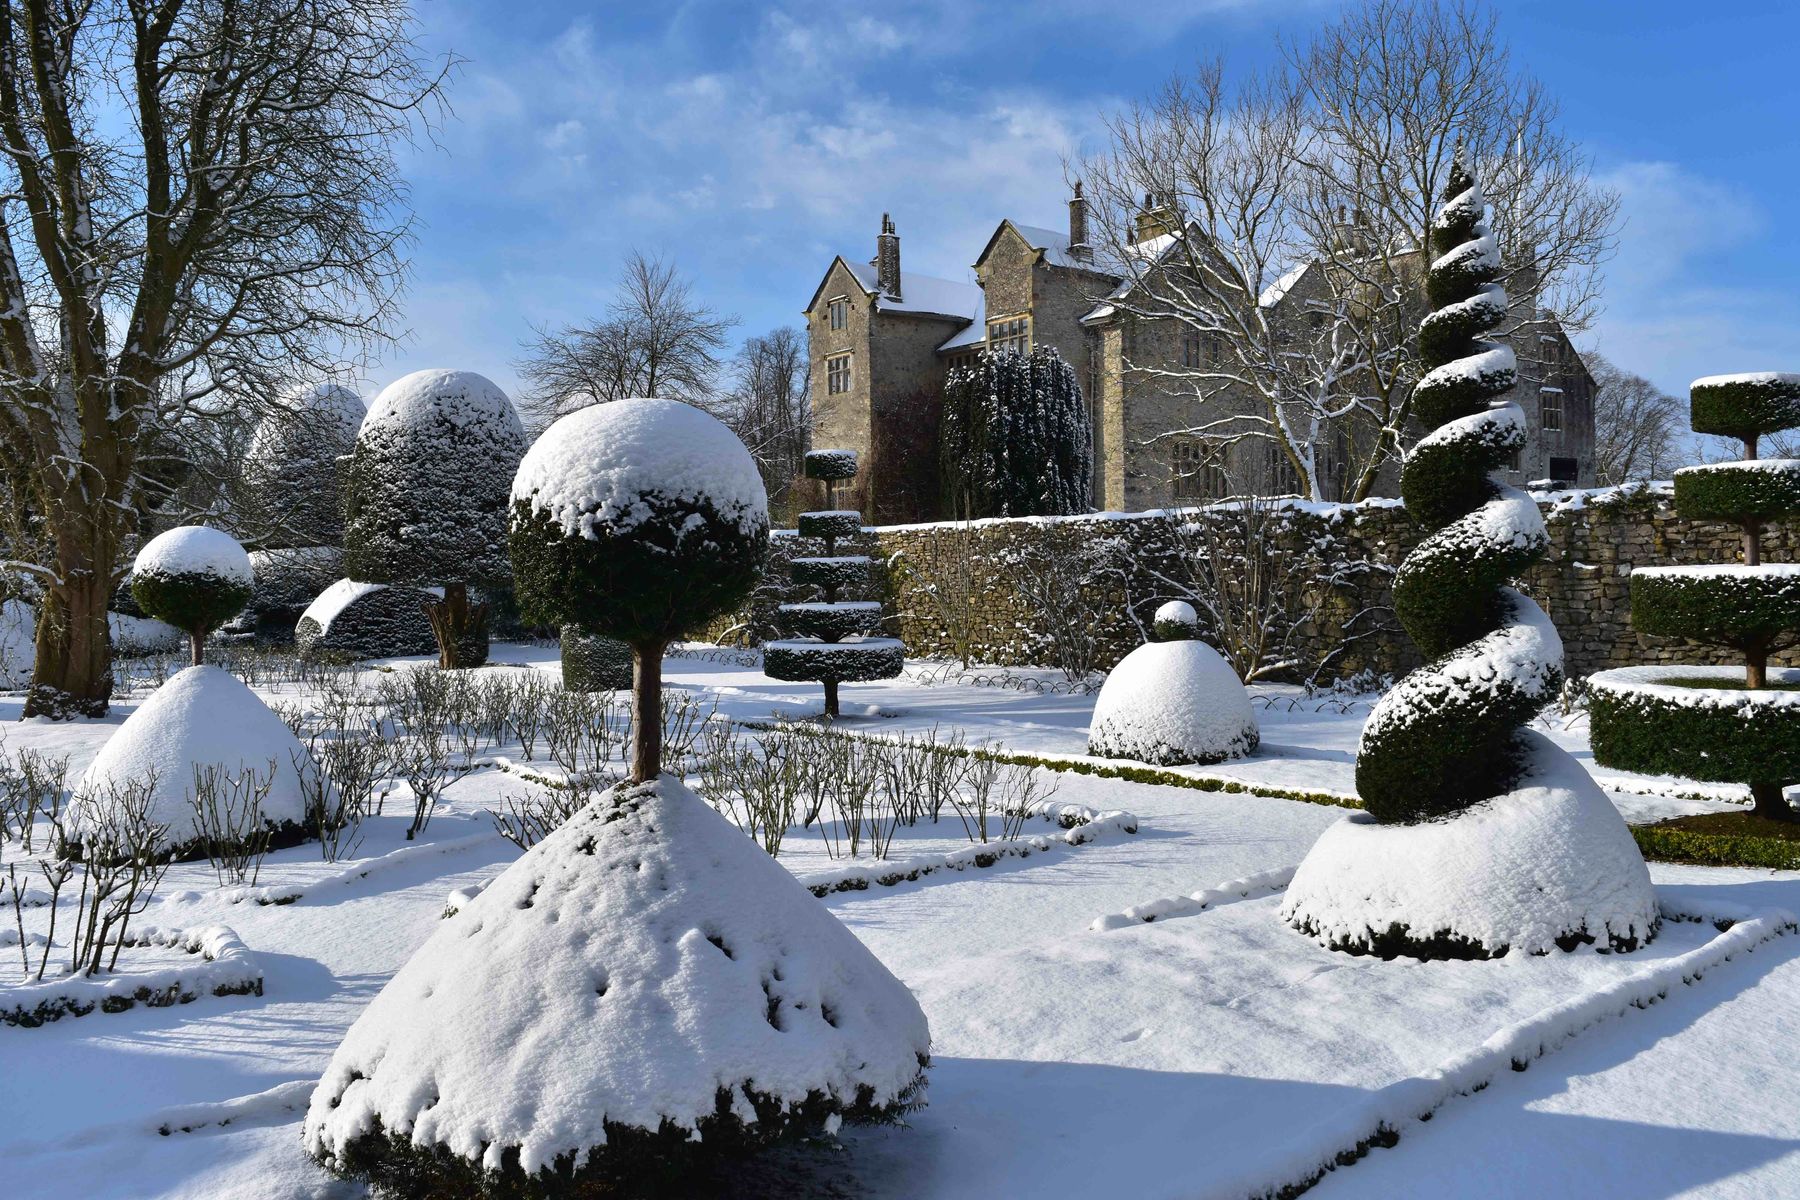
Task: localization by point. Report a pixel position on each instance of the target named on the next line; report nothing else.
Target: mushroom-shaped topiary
(1701, 721)
(195, 578)
(426, 500)
(638, 520)
(645, 990)
(1175, 700)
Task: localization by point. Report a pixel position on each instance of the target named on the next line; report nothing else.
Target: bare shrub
(31, 787)
(229, 822)
(1062, 574)
(123, 861)
(530, 817)
(945, 581)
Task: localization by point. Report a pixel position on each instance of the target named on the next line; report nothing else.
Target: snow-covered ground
(1212, 1052)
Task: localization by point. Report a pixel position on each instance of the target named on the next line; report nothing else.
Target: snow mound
(202, 716)
(195, 550)
(646, 963)
(651, 449)
(1173, 702)
(1545, 866)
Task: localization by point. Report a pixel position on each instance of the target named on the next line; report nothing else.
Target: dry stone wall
(953, 586)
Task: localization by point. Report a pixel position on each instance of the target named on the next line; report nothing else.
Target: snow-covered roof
(1148, 251)
(972, 334)
(1277, 291)
(920, 293)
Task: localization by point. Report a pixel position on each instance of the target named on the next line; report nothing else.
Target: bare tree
(200, 199)
(770, 410)
(655, 340)
(1637, 425)
(1278, 226)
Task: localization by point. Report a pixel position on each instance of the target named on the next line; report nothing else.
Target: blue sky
(753, 142)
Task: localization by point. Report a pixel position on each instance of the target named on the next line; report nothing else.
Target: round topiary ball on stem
(638, 520)
(195, 578)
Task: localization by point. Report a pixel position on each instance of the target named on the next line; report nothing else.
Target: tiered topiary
(834, 641)
(425, 504)
(1710, 722)
(1479, 835)
(645, 991)
(193, 577)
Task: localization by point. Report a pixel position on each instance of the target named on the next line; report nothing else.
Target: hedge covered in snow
(1171, 703)
(351, 620)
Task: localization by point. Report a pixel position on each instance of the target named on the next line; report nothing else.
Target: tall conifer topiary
(832, 640)
(1700, 721)
(1015, 440)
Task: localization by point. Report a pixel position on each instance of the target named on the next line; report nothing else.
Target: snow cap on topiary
(830, 465)
(194, 577)
(1175, 620)
(1173, 702)
(644, 987)
(427, 492)
(637, 519)
(201, 717)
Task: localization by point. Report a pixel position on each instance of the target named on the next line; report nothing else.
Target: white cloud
(1674, 312)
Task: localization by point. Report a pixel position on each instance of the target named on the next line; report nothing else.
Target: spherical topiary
(591, 663)
(193, 577)
(1174, 621)
(1480, 835)
(638, 520)
(426, 500)
(293, 478)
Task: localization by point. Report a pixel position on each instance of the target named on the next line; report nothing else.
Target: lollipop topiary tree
(426, 500)
(1479, 835)
(645, 991)
(1710, 722)
(195, 578)
(833, 639)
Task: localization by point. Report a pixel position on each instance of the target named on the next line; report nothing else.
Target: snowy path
(1179, 1059)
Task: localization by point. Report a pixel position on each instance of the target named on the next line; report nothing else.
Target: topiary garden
(1719, 723)
(832, 641)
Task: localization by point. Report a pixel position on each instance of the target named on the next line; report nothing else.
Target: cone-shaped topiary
(193, 577)
(834, 641)
(426, 500)
(638, 520)
(1700, 721)
(1444, 768)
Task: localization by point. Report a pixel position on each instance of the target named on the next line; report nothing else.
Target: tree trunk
(197, 642)
(72, 675)
(646, 703)
(1756, 668)
(831, 700)
(1768, 802)
(453, 622)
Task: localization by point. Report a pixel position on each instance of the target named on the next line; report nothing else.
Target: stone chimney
(1155, 218)
(887, 259)
(1079, 249)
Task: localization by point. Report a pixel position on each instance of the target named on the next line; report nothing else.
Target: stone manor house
(883, 339)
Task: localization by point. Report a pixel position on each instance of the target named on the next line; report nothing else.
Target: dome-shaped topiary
(1480, 836)
(1175, 621)
(194, 577)
(293, 494)
(638, 520)
(426, 499)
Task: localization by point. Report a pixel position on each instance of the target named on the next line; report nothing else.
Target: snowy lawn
(1212, 1052)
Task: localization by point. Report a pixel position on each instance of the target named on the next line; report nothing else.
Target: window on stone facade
(840, 312)
(837, 374)
(1564, 470)
(1190, 348)
(1013, 333)
(1550, 409)
(1199, 468)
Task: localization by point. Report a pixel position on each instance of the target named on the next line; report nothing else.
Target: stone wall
(1596, 538)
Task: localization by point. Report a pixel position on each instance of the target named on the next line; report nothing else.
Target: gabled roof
(1052, 244)
(1149, 251)
(925, 295)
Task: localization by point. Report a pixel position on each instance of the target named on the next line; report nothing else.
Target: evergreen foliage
(1446, 737)
(293, 476)
(426, 500)
(831, 641)
(591, 663)
(1015, 440)
(194, 578)
(1752, 736)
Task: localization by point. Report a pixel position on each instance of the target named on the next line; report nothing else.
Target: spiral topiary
(1480, 836)
(1444, 738)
